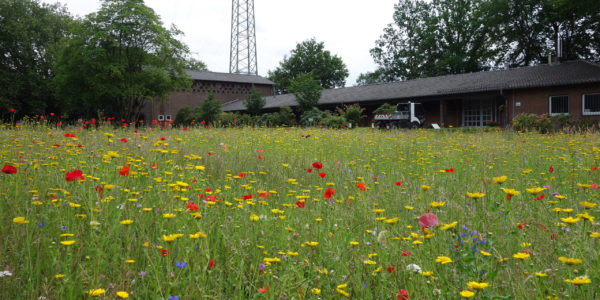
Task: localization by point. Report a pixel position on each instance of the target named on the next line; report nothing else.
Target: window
(591, 104)
(161, 117)
(559, 105)
(167, 117)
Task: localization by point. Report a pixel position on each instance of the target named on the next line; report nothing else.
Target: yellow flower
(254, 218)
(354, 243)
(579, 280)
(197, 235)
(536, 190)
(171, 237)
(122, 294)
(499, 179)
(96, 292)
(570, 220)
(585, 186)
(67, 243)
(392, 220)
(435, 204)
(595, 235)
(427, 273)
(511, 192)
(59, 276)
(340, 290)
(168, 216)
(126, 222)
(20, 220)
(312, 244)
(484, 253)
(443, 259)
(588, 205)
(585, 216)
(407, 207)
(369, 262)
(425, 187)
(467, 294)
(130, 261)
(521, 255)
(378, 210)
(541, 274)
(570, 261)
(475, 195)
(109, 187)
(477, 285)
(315, 291)
(449, 226)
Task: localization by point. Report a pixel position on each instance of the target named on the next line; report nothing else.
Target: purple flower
(261, 267)
(181, 264)
(142, 273)
(173, 298)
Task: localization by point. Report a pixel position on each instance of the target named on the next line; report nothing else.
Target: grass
(260, 209)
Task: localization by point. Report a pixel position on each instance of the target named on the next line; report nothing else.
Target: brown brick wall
(537, 100)
(224, 92)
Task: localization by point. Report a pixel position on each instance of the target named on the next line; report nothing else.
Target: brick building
(225, 86)
(474, 99)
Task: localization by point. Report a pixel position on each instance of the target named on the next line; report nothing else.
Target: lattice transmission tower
(242, 56)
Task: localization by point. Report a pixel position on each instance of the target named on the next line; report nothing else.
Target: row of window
(560, 104)
(164, 117)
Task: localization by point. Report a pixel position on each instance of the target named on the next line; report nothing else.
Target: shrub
(184, 116)
(532, 122)
(385, 109)
(312, 117)
(334, 121)
(352, 113)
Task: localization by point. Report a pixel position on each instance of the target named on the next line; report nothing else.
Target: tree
(310, 57)
(254, 102)
(192, 63)
(119, 58)
(307, 91)
(30, 34)
(433, 38)
(209, 110)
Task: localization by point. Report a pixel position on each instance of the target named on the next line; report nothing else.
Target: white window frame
(167, 118)
(589, 113)
(550, 105)
(161, 118)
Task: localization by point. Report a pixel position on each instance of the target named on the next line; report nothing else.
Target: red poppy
(71, 176)
(322, 175)
(402, 294)
(191, 206)
(300, 204)
(264, 194)
(317, 165)
(328, 193)
(398, 183)
(451, 170)
(259, 157)
(361, 186)
(164, 252)
(263, 290)
(551, 169)
(154, 166)
(212, 263)
(12, 110)
(247, 197)
(391, 269)
(69, 135)
(242, 175)
(406, 253)
(124, 140)
(309, 170)
(594, 168)
(428, 220)
(8, 169)
(124, 171)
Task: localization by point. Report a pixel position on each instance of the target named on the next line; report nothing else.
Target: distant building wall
(224, 92)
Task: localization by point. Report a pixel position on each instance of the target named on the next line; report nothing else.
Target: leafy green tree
(286, 116)
(385, 109)
(254, 102)
(434, 38)
(209, 111)
(310, 57)
(30, 34)
(307, 91)
(184, 116)
(351, 113)
(119, 58)
(192, 63)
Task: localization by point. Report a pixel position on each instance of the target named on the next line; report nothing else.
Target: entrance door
(478, 112)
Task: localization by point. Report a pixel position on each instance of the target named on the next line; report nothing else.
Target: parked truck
(407, 115)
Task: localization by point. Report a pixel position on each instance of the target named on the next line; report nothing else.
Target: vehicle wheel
(414, 125)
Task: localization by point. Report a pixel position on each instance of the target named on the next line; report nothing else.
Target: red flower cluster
(71, 176)
(8, 169)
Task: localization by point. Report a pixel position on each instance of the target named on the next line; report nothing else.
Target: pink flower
(428, 220)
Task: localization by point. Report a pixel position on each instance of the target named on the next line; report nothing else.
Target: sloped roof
(566, 73)
(228, 77)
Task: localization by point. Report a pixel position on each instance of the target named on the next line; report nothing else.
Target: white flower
(413, 268)
(5, 273)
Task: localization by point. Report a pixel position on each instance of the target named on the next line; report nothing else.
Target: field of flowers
(291, 213)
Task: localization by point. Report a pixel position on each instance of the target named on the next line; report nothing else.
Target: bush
(209, 111)
(312, 117)
(385, 109)
(184, 116)
(352, 113)
(334, 121)
(286, 116)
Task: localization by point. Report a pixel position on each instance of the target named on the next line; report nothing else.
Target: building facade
(475, 99)
(225, 86)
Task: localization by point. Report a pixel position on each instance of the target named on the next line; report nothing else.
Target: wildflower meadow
(155, 212)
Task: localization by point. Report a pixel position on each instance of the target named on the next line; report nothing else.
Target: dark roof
(228, 77)
(566, 73)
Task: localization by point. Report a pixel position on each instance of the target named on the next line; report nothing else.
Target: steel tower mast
(242, 55)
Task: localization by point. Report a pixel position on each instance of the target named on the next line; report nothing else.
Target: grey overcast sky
(348, 28)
